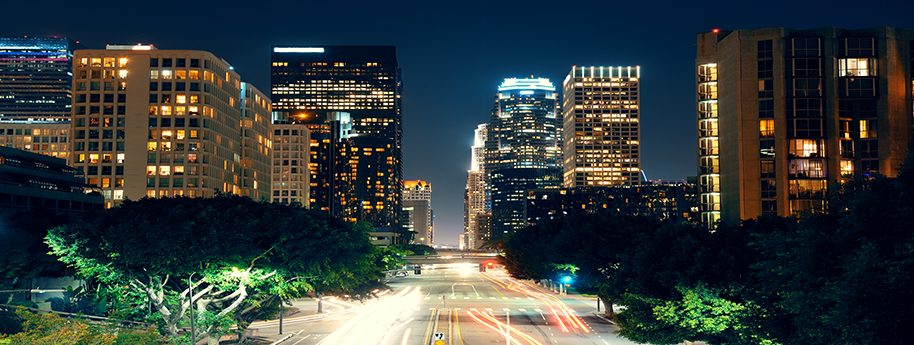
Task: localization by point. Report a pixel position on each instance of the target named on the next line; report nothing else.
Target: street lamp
(190, 286)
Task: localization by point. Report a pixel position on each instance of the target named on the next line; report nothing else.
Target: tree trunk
(609, 313)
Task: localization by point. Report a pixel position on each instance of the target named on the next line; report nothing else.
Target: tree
(232, 252)
(51, 329)
(25, 255)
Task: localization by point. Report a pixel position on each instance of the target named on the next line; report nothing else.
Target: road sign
(439, 342)
(439, 336)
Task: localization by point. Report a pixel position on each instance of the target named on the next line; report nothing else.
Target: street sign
(439, 336)
(439, 342)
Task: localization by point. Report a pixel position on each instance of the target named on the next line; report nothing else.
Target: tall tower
(523, 148)
(35, 78)
(476, 201)
(781, 112)
(362, 179)
(417, 210)
(184, 111)
(602, 126)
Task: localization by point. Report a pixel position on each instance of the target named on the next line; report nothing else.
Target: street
(451, 306)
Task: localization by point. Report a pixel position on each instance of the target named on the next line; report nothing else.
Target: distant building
(417, 211)
(783, 112)
(476, 192)
(362, 181)
(602, 127)
(523, 148)
(483, 229)
(29, 180)
(291, 157)
(676, 201)
(36, 77)
(162, 123)
(49, 138)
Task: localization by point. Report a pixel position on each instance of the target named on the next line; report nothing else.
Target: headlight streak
(497, 330)
(387, 335)
(572, 319)
(372, 314)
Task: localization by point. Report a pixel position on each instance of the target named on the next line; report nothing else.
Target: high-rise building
(417, 211)
(522, 149)
(476, 191)
(782, 112)
(291, 154)
(35, 78)
(365, 181)
(156, 123)
(602, 126)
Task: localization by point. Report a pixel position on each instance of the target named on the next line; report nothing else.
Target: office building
(365, 180)
(417, 211)
(476, 191)
(782, 113)
(602, 126)
(674, 200)
(43, 137)
(162, 123)
(36, 78)
(522, 148)
(291, 154)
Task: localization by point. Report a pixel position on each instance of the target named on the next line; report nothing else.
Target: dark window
(869, 149)
(194, 86)
(765, 49)
(122, 98)
(81, 98)
(106, 170)
(150, 182)
(194, 62)
(766, 108)
(108, 110)
(109, 98)
(765, 69)
(804, 87)
(94, 109)
(95, 98)
(154, 62)
(770, 207)
(153, 98)
(804, 47)
(166, 122)
(769, 189)
(857, 47)
(180, 62)
(166, 62)
(119, 170)
(153, 86)
(180, 86)
(194, 123)
(153, 122)
(166, 86)
(857, 87)
(93, 146)
(179, 122)
(93, 170)
(766, 148)
(765, 88)
(806, 67)
(120, 144)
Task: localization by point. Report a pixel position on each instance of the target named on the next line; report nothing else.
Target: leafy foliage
(51, 329)
(25, 255)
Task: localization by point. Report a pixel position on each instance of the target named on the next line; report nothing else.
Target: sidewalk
(266, 331)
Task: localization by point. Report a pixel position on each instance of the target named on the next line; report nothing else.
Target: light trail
(470, 313)
(529, 339)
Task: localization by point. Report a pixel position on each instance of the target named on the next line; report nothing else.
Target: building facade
(291, 157)
(29, 180)
(782, 113)
(522, 149)
(36, 78)
(675, 201)
(162, 123)
(365, 182)
(476, 201)
(417, 211)
(602, 127)
(49, 138)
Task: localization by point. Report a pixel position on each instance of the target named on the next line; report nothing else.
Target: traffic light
(417, 271)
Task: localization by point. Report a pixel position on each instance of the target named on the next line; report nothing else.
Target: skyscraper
(35, 78)
(602, 126)
(476, 201)
(781, 112)
(158, 123)
(363, 81)
(417, 211)
(523, 148)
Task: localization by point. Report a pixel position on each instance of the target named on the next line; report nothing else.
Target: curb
(281, 340)
(601, 317)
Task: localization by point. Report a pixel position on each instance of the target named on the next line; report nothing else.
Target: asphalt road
(447, 306)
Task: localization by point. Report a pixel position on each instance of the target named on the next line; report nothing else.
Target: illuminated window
(164, 170)
(194, 75)
(120, 158)
(181, 99)
(166, 74)
(93, 158)
(151, 146)
(96, 62)
(806, 148)
(180, 74)
(867, 129)
(179, 110)
(766, 128)
(856, 67)
(150, 170)
(122, 74)
(166, 110)
(847, 168)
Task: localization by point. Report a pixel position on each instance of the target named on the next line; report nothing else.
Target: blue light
(526, 92)
(566, 279)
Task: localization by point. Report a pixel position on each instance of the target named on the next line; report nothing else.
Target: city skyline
(452, 61)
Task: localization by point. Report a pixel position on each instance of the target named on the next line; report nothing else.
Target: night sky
(453, 55)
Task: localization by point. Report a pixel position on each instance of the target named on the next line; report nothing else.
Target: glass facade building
(523, 148)
(359, 176)
(36, 78)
